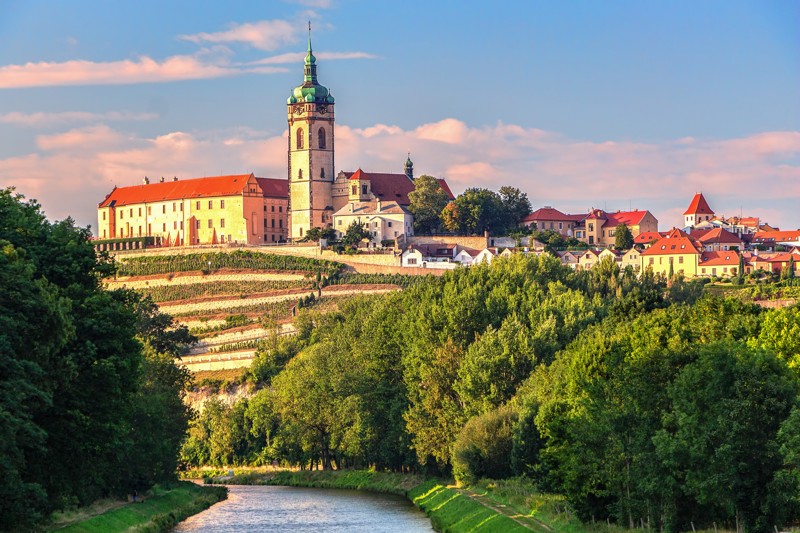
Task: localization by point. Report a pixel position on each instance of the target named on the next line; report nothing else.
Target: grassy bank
(161, 510)
(488, 506)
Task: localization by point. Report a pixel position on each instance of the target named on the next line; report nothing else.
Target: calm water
(259, 508)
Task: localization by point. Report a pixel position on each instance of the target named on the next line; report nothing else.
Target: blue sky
(612, 104)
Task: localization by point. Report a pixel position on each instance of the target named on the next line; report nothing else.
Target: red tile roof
(548, 213)
(176, 190)
(718, 236)
(776, 236)
(274, 188)
(672, 246)
(719, 258)
(647, 237)
(699, 206)
(393, 187)
(629, 218)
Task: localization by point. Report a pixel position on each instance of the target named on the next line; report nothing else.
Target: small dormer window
(663, 246)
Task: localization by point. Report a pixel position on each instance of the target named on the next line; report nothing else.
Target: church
(245, 209)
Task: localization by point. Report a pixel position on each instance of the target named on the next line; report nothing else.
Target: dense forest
(91, 402)
(640, 400)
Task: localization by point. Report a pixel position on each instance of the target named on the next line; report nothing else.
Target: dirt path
(525, 521)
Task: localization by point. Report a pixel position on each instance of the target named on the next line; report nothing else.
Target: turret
(409, 168)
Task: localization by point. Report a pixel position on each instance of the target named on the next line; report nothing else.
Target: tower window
(299, 138)
(355, 190)
(363, 189)
(300, 174)
(321, 137)
(322, 174)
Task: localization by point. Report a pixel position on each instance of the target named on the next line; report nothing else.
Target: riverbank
(161, 510)
(450, 509)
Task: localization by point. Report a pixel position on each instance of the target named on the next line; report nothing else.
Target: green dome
(310, 91)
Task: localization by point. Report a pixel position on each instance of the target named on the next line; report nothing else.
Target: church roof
(392, 187)
(699, 206)
(310, 91)
(177, 190)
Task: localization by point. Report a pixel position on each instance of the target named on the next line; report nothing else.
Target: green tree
(484, 445)
(623, 238)
(355, 233)
(516, 204)
(474, 211)
(720, 439)
(428, 199)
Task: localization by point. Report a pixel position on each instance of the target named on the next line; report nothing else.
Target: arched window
(299, 138)
(300, 174)
(321, 136)
(322, 174)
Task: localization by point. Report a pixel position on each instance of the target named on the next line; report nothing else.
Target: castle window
(197, 206)
(197, 224)
(322, 174)
(104, 215)
(222, 223)
(140, 211)
(222, 204)
(210, 223)
(211, 204)
(280, 209)
(300, 174)
(321, 137)
(272, 208)
(355, 190)
(299, 138)
(164, 209)
(121, 214)
(149, 210)
(363, 189)
(173, 207)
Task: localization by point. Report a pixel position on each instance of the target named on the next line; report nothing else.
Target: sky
(615, 104)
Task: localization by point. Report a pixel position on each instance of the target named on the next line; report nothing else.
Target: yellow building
(676, 253)
(239, 209)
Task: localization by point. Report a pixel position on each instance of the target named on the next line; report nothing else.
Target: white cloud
(263, 35)
(761, 173)
(50, 119)
(141, 70)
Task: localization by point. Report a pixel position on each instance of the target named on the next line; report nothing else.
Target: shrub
(483, 447)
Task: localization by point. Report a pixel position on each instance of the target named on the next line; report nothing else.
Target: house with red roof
(599, 228)
(698, 211)
(718, 240)
(770, 239)
(548, 218)
(675, 253)
(719, 263)
(238, 209)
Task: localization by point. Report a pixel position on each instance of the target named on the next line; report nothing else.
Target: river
(263, 508)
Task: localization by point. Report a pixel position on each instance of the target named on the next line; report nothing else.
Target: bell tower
(311, 149)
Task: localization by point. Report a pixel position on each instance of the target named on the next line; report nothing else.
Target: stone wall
(474, 243)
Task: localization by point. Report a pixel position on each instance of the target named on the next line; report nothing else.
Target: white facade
(383, 220)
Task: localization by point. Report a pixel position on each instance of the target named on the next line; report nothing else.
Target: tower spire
(310, 69)
(309, 36)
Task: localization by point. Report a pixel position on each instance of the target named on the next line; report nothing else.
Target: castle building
(244, 209)
(240, 209)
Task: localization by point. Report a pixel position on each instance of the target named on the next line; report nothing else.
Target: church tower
(311, 143)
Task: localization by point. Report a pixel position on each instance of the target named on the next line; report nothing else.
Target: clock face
(298, 109)
(322, 108)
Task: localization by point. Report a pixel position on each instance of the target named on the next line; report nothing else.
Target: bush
(483, 448)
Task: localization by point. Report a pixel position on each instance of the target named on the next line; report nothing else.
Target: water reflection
(259, 508)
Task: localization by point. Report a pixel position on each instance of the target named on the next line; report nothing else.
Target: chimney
(378, 207)
(146, 180)
(174, 178)
(162, 179)
(486, 237)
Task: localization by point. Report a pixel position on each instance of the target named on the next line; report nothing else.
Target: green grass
(451, 511)
(161, 510)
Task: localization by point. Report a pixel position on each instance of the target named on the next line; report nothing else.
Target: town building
(548, 218)
(599, 228)
(383, 220)
(698, 211)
